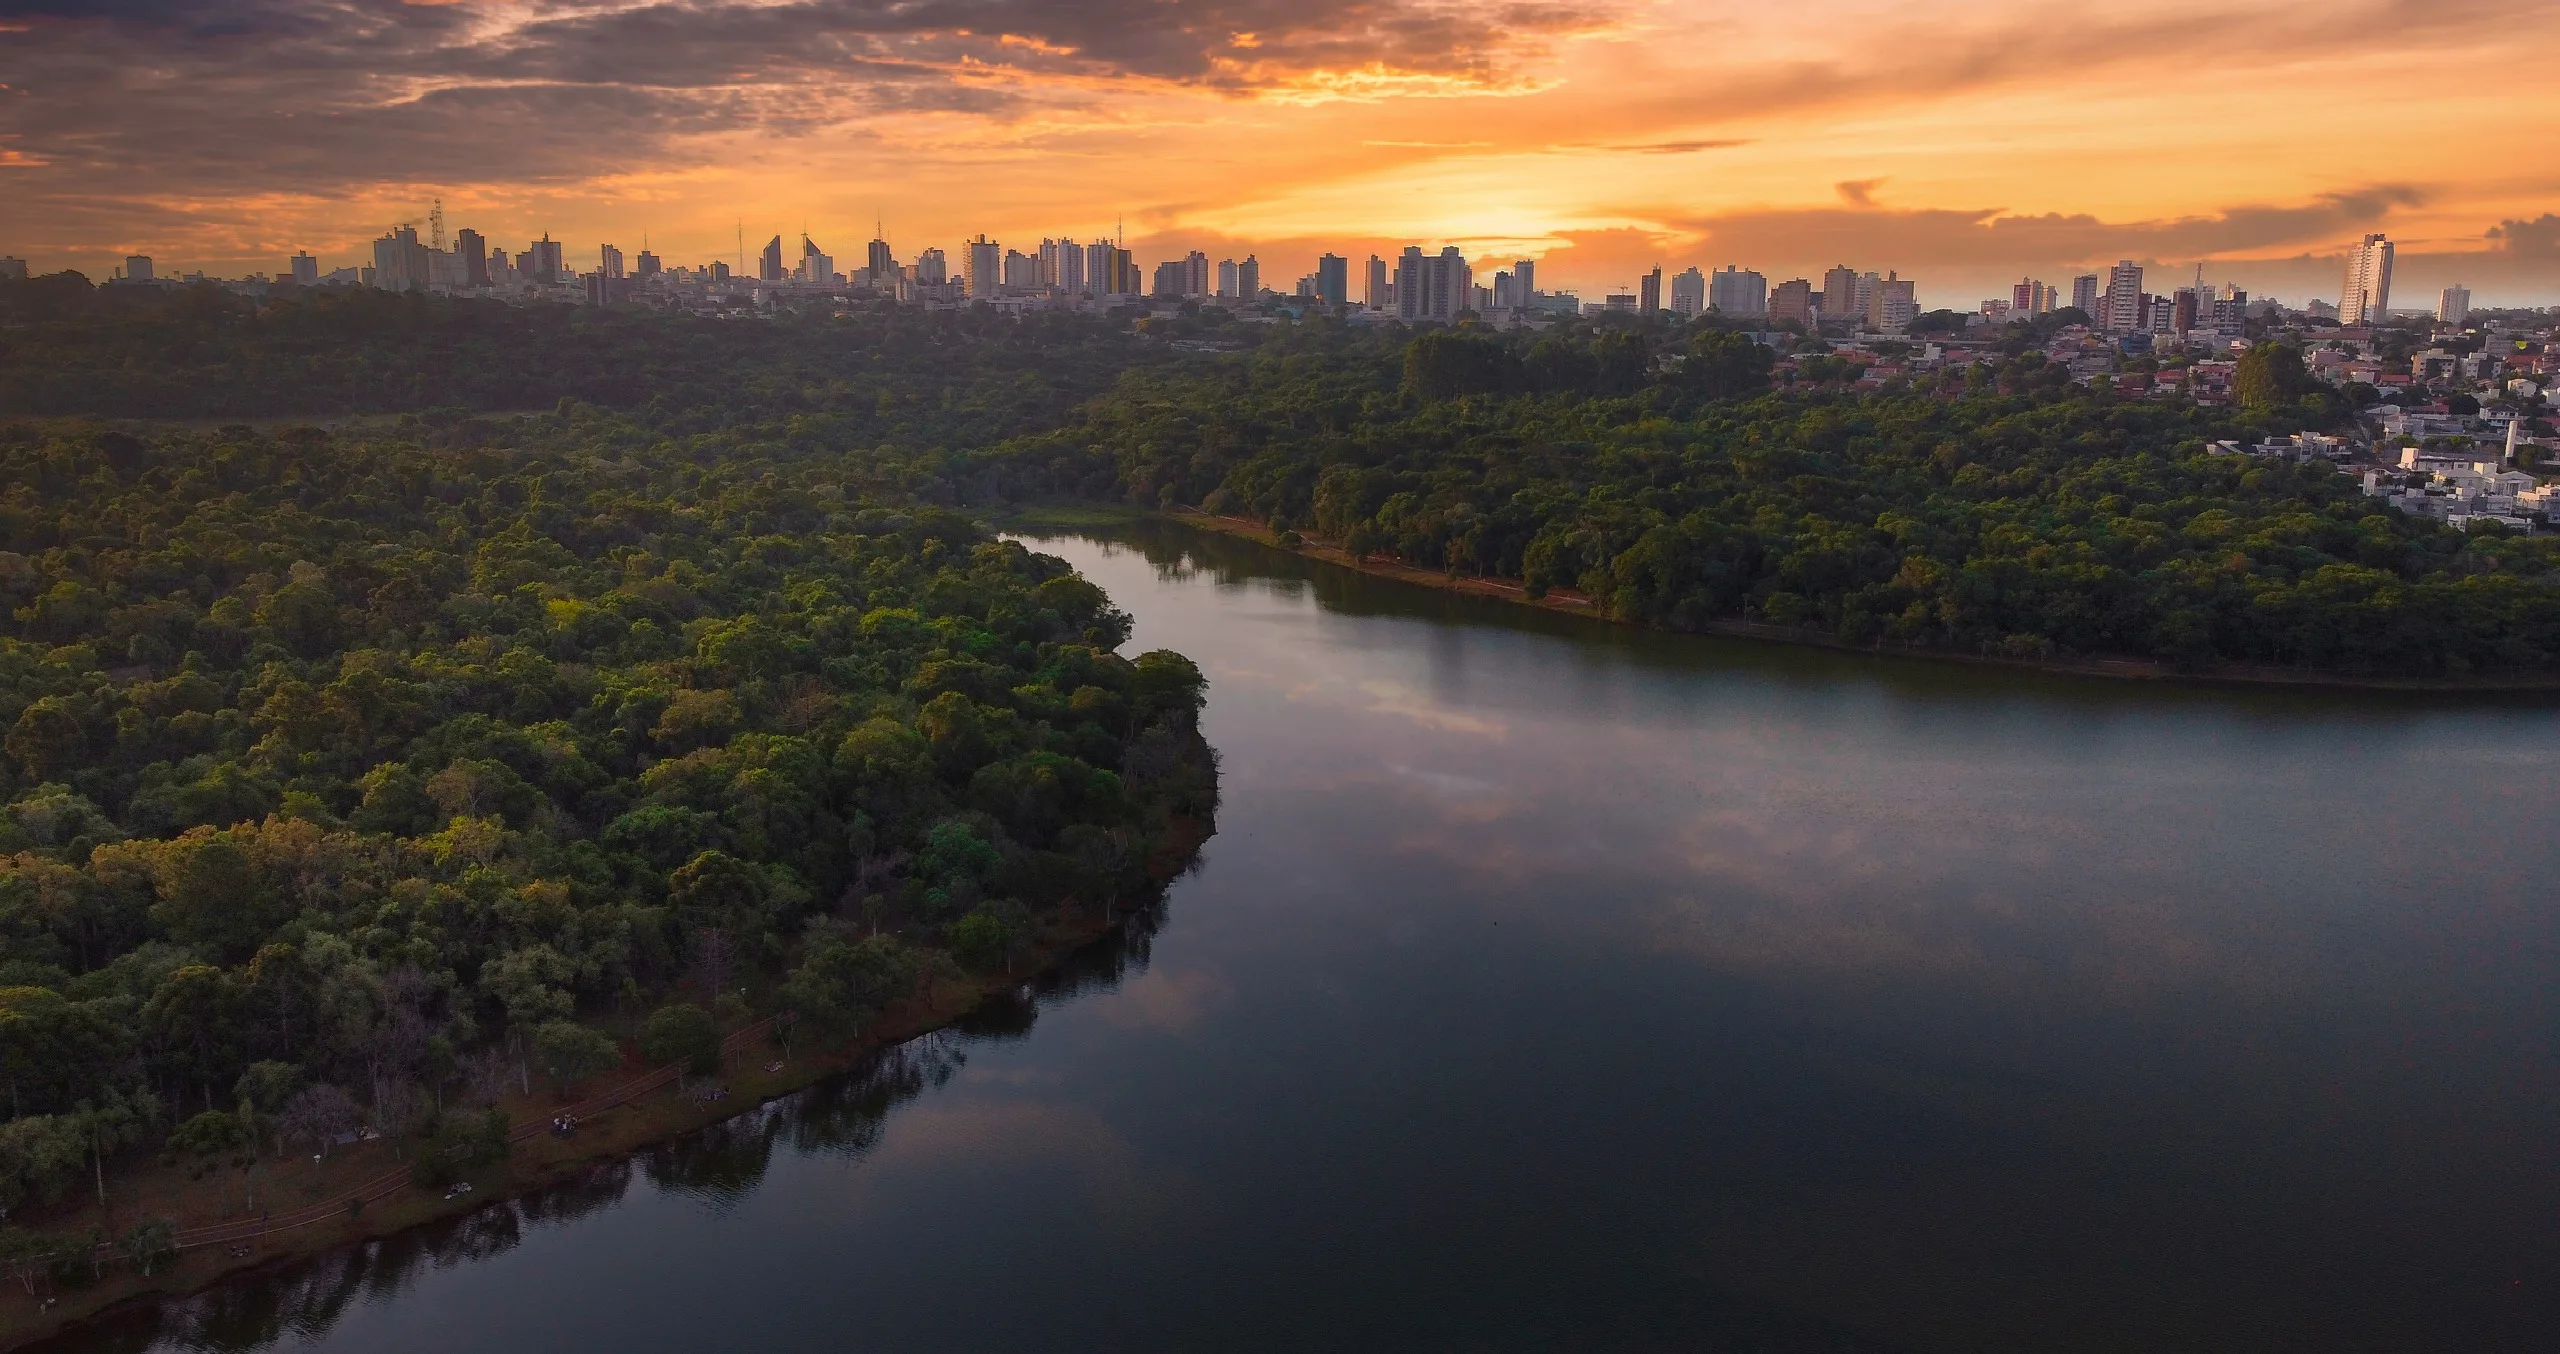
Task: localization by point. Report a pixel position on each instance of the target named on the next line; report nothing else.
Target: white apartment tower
(1739, 292)
(2120, 310)
(1689, 294)
(2368, 291)
(2454, 307)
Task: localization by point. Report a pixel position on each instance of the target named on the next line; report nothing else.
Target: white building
(1739, 292)
(1433, 287)
(2367, 294)
(1689, 294)
(2454, 306)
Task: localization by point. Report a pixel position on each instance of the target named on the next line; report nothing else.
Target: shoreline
(657, 1114)
(1565, 601)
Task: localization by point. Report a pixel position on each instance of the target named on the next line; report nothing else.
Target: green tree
(682, 1033)
(569, 1053)
(2270, 376)
(215, 1140)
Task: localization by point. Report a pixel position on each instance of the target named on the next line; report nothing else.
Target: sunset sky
(1964, 144)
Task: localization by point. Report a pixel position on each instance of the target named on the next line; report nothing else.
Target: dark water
(1556, 987)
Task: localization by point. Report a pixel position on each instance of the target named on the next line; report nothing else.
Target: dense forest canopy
(340, 771)
(343, 768)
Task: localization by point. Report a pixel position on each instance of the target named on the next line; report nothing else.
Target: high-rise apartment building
(399, 261)
(1021, 271)
(1649, 293)
(1333, 281)
(1119, 275)
(137, 267)
(646, 264)
(2120, 310)
(1227, 278)
(1794, 300)
(1070, 268)
(306, 269)
(1689, 294)
(609, 261)
(932, 269)
(1173, 279)
(2367, 294)
(2030, 297)
(1893, 302)
(1433, 287)
(2084, 295)
(1840, 292)
(878, 259)
(1373, 284)
(1524, 280)
(2454, 307)
(1195, 274)
(769, 263)
(1249, 278)
(473, 250)
(982, 266)
(1739, 292)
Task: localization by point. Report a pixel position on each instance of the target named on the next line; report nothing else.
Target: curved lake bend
(1554, 986)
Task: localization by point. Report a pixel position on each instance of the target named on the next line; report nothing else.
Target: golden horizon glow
(1965, 148)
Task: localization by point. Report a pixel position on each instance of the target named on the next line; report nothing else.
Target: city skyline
(1967, 147)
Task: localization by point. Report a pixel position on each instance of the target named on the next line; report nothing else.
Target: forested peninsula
(359, 781)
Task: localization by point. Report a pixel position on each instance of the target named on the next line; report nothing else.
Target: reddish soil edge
(1573, 603)
(629, 1115)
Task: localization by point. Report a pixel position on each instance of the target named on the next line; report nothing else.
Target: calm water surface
(1554, 986)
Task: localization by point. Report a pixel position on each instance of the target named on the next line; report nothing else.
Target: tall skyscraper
(769, 263)
(2120, 310)
(1524, 280)
(882, 263)
(2084, 296)
(1793, 300)
(306, 269)
(1227, 278)
(1739, 292)
(1172, 279)
(1071, 268)
(473, 250)
(1840, 292)
(932, 269)
(2368, 291)
(1249, 278)
(647, 264)
(1373, 284)
(1649, 293)
(1195, 274)
(1689, 294)
(1333, 281)
(982, 265)
(1119, 271)
(2454, 307)
(609, 261)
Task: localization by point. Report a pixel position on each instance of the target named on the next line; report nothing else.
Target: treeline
(349, 780)
(1996, 507)
(921, 380)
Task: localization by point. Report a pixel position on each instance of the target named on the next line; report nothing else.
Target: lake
(1552, 985)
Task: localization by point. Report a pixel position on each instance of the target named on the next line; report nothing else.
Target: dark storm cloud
(207, 97)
